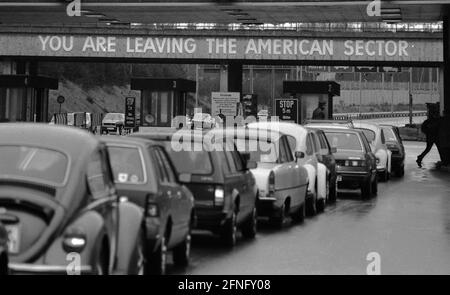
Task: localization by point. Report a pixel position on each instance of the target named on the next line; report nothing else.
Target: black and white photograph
(243, 140)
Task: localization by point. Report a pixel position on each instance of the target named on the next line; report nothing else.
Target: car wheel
(333, 193)
(280, 221)
(400, 172)
(320, 205)
(312, 210)
(249, 229)
(229, 231)
(157, 260)
(182, 252)
(375, 186)
(101, 263)
(384, 176)
(299, 216)
(4, 264)
(366, 190)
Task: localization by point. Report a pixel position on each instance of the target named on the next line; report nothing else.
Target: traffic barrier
(60, 119)
(365, 116)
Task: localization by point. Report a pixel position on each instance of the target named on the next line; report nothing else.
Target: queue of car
(122, 203)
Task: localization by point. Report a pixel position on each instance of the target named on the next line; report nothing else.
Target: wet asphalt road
(408, 224)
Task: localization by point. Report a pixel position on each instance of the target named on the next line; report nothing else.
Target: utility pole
(392, 93)
(410, 97)
(360, 92)
(196, 85)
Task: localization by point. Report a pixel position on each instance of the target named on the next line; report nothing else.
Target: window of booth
(157, 108)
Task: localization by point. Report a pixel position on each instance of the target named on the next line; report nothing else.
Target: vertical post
(410, 97)
(392, 93)
(360, 92)
(251, 78)
(196, 84)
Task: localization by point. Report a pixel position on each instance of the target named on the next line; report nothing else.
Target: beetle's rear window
(369, 134)
(194, 162)
(126, 163)
(33, 163)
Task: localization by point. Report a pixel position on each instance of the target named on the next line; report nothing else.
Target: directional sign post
(130, 112)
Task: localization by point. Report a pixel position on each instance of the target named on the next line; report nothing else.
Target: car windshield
(193, 162)
(369, 134)
(33, 163)
(126, 163)
(389, 134)
(344, 141)
(261, 151)
(114, 116)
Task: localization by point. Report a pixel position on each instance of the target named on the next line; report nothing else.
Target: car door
(292, 175)
(171, 194)
(235, 182)
(180, 199)
(103, 196)
(247, 193)
(325, 150)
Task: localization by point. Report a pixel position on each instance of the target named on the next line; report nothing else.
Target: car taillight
(152, 210)
(271, 182)
(378, 161)
(219, 196)
(351, 163)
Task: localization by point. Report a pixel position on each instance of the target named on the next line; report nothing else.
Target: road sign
(60, 99)
(130, 112)
(389, 69)
(224, 103)
(286, 109)
(364, 69)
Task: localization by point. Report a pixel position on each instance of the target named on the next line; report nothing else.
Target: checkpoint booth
(309, 94)
(162, 100)
(24, 98)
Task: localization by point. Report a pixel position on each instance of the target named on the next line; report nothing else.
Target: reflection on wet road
(408, 224)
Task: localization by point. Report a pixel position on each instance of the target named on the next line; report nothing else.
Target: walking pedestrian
(430, 127)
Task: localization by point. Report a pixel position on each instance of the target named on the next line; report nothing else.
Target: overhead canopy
(98, 12)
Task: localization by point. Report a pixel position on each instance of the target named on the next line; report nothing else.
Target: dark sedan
(355, 162)
(395, 144)
(3, 250)
(58, 200)
(224, 189)
(144, 174)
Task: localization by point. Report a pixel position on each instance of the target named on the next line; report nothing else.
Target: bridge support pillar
(231, 77)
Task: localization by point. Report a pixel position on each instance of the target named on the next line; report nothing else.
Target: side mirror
(333, 150)
(299, 155)
(251, 165)
(184, 177)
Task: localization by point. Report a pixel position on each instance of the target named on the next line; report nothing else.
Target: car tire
(299, 216)
(249, 228)
(157, 260)
(400, 172)
(375, 187)
(320, 205)
(182, 252)
(280, 221)
(100, 265)
(229, 231)
(366, 190)
(384, 177)
(311, 206)
(333, 193)
(3, 264)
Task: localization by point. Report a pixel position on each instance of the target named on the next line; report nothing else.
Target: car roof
(63, 138)
(127, 140)
(282, 127)
(166, 134)
(371, 126)
(242, 132)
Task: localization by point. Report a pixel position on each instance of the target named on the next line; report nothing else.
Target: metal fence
(363, 116)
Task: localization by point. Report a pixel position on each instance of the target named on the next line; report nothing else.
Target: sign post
(286, 109)
(130, 112)
(60, 100)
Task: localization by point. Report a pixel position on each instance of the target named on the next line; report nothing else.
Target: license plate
(339, 178)
(13, 238)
